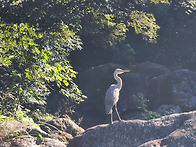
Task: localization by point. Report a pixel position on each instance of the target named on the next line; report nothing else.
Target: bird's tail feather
(108, 110)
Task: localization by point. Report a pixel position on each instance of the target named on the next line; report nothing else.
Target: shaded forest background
(44, 42)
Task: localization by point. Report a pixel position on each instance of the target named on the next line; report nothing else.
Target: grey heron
(112, 94)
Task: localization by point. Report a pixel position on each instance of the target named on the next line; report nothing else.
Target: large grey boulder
(178, 87)
(151, 70)
(184, 136)
(172, 130)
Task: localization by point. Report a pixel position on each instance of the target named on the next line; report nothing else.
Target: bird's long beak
(126, 70)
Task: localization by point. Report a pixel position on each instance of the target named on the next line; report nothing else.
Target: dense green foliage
(37, 36)
(29, 70)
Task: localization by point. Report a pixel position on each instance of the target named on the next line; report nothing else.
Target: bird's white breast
(112, 94)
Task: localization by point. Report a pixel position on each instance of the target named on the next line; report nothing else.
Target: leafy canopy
(37, 36)
(30, 61)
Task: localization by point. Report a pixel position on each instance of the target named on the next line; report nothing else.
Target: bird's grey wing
(111, 98)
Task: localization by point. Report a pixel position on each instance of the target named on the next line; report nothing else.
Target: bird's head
(120, 71)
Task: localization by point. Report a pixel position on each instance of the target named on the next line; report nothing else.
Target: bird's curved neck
(119, 81)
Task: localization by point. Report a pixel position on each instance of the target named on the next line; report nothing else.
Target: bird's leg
(111, 118)
(117, 112)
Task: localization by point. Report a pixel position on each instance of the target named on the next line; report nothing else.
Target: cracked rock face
(171, 130)
(177, 88)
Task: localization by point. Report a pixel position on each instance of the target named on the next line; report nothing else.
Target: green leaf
(31, 91)
(66, 83)
(56, 70)
(78, 91)
(108, 16)
(20, 89)
(37, 50)
(59, 78)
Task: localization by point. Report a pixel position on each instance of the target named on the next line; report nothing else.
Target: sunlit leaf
(66, 83)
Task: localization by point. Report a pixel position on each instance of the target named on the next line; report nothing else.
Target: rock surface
(20, 134)
(66, 124)
(29, 141)
(178, 87)
(151, 69)
(57, 132)
(168, 109)
(12, 128)
(171, 130)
